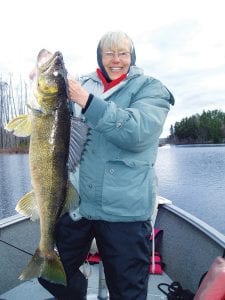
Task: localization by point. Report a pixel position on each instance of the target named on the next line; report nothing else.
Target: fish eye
(56, 73)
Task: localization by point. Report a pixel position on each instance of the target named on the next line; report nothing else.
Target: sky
(179, 42)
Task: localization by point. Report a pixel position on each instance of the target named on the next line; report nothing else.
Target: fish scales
(48, 157)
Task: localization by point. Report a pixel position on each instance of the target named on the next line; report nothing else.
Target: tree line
(208, 127)
(13, 100)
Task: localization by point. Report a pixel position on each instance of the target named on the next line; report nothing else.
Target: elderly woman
(125, 111)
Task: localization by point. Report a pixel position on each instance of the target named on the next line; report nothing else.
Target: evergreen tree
(209, 127)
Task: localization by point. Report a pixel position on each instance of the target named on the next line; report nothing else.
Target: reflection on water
(193, 178)
(14, 181)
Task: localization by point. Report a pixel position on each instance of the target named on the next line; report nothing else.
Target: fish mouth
(51, 74)
(50, 63)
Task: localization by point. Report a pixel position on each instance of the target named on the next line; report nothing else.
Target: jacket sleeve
(136, 127)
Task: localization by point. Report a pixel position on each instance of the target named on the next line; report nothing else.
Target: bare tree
(13, 100)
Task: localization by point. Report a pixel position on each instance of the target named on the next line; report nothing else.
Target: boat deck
(33, 290)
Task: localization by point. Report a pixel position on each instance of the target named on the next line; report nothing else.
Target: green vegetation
(209, 127)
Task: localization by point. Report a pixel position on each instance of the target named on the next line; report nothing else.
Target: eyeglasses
(111, 54)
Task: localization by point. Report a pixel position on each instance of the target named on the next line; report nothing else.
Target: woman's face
(117, 60)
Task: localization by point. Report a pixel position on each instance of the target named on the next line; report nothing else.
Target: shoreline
(14, 151)
(199, 145)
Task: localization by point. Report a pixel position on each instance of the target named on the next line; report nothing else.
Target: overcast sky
(180, 42)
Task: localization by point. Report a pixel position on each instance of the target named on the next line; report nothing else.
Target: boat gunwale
(5, 222)
(202, 226)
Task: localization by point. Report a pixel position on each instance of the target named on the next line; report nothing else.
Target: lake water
(192, 177)
(14, 181)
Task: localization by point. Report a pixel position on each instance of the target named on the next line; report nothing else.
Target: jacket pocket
(128, 188)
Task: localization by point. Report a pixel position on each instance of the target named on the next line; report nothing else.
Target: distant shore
(14, 151)
(26, 150)
(200, 145)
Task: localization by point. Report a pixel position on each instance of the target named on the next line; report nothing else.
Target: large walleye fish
(49, 125)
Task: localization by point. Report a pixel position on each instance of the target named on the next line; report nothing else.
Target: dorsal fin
(78, 137)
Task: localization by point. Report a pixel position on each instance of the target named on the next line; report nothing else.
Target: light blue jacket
(117, 180)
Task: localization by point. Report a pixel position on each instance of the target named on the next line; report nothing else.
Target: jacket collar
(134, 71)
(112, 83)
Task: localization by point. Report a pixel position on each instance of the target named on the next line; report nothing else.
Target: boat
(188, 248)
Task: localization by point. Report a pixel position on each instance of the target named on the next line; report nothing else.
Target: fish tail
(47, 266)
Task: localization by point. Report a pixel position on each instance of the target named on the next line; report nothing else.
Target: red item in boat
(158, 265)
(155, 266)
(212, 286)
(93, 258)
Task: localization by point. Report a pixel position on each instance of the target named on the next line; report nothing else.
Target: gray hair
(112, 39)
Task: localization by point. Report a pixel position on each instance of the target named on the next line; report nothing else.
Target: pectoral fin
(20, 126)
(27, 206)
